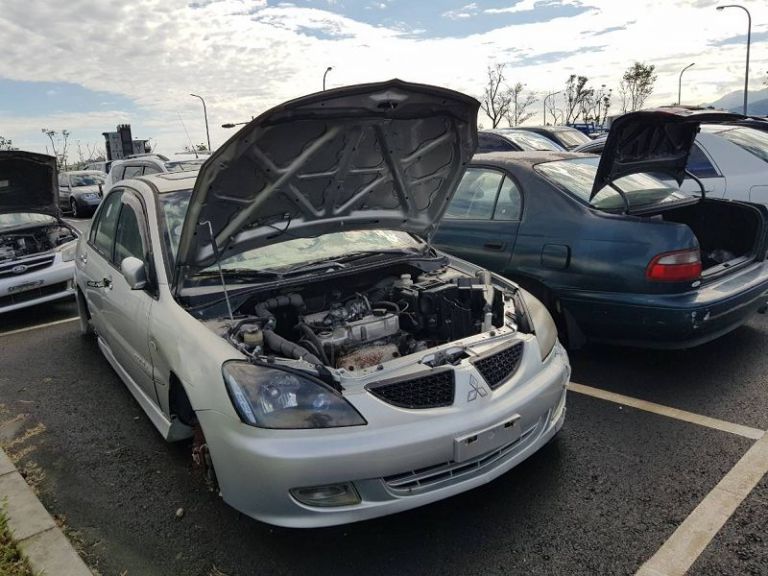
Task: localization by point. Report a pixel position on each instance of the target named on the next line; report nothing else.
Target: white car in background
(286, 308)
(146, 164)
(730, 160)
(37, 249)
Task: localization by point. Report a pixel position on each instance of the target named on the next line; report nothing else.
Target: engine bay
(29, 241)
(367, 319)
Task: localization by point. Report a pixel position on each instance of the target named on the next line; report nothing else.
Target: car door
(125, 310)
(94, 263)
(64, 191)
(483, 218)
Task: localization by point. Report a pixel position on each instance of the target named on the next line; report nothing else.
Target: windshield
(16, 219)
(533, 141)
(753, 141)
(292, 251)
(578, 174)
(572, 137)
(92, 179)
(184, 165)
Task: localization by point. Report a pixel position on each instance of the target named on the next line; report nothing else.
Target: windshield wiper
(245, 273)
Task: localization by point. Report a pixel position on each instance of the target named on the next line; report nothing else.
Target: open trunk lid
(28, 183)
(387, 155)
(653, 141)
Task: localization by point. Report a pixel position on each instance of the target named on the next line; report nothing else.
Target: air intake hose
(288, 349)
(263, 310)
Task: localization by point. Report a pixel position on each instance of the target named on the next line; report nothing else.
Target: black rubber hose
(263, 310)
(312, 337)
(387, 304)
(283, 347)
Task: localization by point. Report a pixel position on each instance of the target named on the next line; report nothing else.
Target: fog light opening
(342, 494)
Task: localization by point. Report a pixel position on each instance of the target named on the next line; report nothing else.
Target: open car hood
(387, 155)
(28, 183)
(652, 141)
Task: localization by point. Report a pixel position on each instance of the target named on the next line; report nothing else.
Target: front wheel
(73, 206)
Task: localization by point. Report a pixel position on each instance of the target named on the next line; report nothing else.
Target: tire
(86, 328)
(74, 208)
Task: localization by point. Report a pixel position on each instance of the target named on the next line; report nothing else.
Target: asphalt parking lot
(606, 496)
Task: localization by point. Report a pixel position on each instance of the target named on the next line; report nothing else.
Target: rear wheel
(74, 208)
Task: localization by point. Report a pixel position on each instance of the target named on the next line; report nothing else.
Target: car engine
(28, 242)
(360, 327)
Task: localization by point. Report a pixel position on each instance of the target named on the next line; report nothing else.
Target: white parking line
(690, 539)
(20, 330)
(722, 425)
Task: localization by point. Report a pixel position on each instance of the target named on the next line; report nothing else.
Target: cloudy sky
(87, 65)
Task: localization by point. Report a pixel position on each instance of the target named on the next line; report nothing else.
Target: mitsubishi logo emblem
(476, 389)
(21, 268)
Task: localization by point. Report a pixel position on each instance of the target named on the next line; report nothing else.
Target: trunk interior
(728, 233)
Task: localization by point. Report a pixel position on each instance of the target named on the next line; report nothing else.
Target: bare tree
(595, 107)
(576, 92)
(636, 85)
(6, 143)
(518, 112)
(61, 157)
(496, 98)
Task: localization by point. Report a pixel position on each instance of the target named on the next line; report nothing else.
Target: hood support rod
(218, 265)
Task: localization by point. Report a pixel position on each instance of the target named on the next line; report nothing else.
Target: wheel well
(568, 330)
(81, 298)
(178, 402)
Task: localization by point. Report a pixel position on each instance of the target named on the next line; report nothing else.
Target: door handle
(494, 245)
(104, 283)
(83, 258)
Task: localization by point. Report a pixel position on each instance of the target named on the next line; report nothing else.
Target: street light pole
(326, 74)
(205, 114)
(749, 41)
(680, 83)
(544, 121)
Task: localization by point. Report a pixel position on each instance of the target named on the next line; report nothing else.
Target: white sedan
(287, 309)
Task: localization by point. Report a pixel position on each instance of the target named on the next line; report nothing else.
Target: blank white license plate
(25, 286)
(478, 443)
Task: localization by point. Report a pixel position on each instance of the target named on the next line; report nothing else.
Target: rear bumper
(670, 320)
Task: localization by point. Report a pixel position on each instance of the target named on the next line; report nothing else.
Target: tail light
(678, 266)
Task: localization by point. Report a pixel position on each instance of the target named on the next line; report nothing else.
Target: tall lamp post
(749, 40)
(326, 74)
(544, 121)
(205, 114)
(680, 83)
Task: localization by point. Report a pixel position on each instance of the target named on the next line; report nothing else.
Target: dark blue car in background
(618, 255)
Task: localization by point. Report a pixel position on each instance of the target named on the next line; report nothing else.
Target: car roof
(166, 182)
(83, 172)
(524, 159)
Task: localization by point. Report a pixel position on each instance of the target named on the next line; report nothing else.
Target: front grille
(30, 265)
(431, 477)
(498, 366)
(32, 294)
(431, 391)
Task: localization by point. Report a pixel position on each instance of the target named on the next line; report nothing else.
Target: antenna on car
(191, 145)
(218, 265)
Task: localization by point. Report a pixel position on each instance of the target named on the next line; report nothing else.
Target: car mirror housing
(135, 272)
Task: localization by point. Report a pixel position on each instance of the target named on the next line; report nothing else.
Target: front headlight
(542, 323)
(91, 196)
(272, 398)
(67, 251)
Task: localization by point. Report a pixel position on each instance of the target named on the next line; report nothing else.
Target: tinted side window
(476, 196)
(493, 143)
(510, 205)
(151, 169)
(128, 236)
(132, 171)
(117, 173)
(699, 165)
(105, 226)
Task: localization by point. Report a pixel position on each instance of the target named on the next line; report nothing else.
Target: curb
(34, 529)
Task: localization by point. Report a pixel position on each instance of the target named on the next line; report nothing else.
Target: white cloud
(244, 58)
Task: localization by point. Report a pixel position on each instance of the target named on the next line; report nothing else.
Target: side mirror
(135, 272)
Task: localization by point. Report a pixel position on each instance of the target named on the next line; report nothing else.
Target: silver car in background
(287, 310)
(37, 249)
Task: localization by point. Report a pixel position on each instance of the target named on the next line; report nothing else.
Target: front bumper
(670, 321)
(53, 282)
(396, 467)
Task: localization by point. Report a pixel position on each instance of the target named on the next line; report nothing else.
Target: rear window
(577, 175)
(532, 141)
(572, 137)
(184, 166)
(753, 141)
